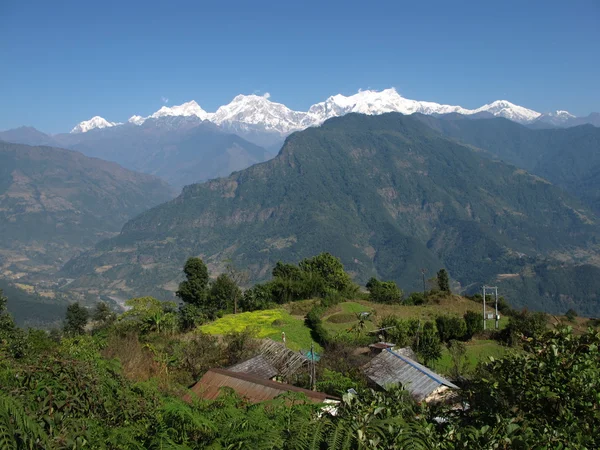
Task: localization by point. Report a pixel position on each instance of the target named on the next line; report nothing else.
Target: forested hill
(55, 203)
(569, 158)
(387, 194)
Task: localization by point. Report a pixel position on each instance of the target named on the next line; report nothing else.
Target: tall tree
(443, 280)
(429, 346)
(76, 319)
(224, 293)
(194, 289)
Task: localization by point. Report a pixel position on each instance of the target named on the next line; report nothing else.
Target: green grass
(476, 351)
(267, 324)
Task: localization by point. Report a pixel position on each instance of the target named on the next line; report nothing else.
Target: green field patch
(477, 351)
(342, 318)
(268, 323)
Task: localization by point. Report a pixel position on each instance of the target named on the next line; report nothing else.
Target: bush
(335, 383)
(524, 323)
(415, 298)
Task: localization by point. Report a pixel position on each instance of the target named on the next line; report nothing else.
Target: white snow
(94, 122)
(258, 112)
(137, 120)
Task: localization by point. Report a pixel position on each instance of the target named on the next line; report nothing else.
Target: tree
(450, 328)
(286, 270)
(76, 319)
(384, 291)
(240, 278)
(194, 289)
(474, 323)
(571, 315)
(331, 270)
(103, 314)
(190, 317)
(458, 356)
(429, 347)
(150, 314)
(223, 295)
(443, 280)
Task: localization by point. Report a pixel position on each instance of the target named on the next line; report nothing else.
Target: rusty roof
(389, 368)
(251, 387)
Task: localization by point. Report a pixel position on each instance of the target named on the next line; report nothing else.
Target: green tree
(190, 317)
(571, 315)
(474, 323)
(223, 295)
(194, 289)
(384, 291)
(458, 357)
(443, 280)
(286, 270)
(150, 314)
(103, 314)
(450, 328)
(331, 270)
(428, 345)
(76, 319)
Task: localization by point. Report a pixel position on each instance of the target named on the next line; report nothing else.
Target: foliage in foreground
(59, 395)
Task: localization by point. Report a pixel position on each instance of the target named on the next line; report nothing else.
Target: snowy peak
(137, 120)
(260, 111)
(508, 110)
(186, 110)
(94, 122)
(373, 103)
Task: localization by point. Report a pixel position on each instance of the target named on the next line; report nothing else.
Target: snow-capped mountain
(258, 110)
(508, 110)
(186, 110)
(373, 103)
(556, 118)
(136, 120)
(94, 122)
(258, 114)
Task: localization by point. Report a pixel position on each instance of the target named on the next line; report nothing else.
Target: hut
(251, 387)
(395, 368)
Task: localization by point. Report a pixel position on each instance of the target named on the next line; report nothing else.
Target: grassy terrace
(268, 324)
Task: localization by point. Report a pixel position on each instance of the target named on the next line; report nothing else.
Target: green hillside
(55, 203)
(387, 194)
(569, 158)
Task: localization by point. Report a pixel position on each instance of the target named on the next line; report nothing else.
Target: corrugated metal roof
(257, 366)
(390, 367)
(251, 387)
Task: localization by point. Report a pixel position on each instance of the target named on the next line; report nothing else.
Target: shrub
(450, 328)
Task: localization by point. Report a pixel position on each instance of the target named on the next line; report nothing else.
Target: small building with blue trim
(393, 368)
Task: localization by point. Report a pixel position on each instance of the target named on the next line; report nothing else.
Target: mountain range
(389, 195)
(271, 117)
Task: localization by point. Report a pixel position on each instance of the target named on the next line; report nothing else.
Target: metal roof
(253, 388)
(393, 368)
(257, 366)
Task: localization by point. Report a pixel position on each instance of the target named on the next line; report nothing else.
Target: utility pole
(313, 381)
(496, 317)
(423, 273)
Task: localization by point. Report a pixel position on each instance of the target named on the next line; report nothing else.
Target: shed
(393, 368)
(251, 387)
(258, 366)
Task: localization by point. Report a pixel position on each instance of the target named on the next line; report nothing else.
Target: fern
(17, 428)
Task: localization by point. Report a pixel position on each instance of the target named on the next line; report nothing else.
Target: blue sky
(62, 62)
